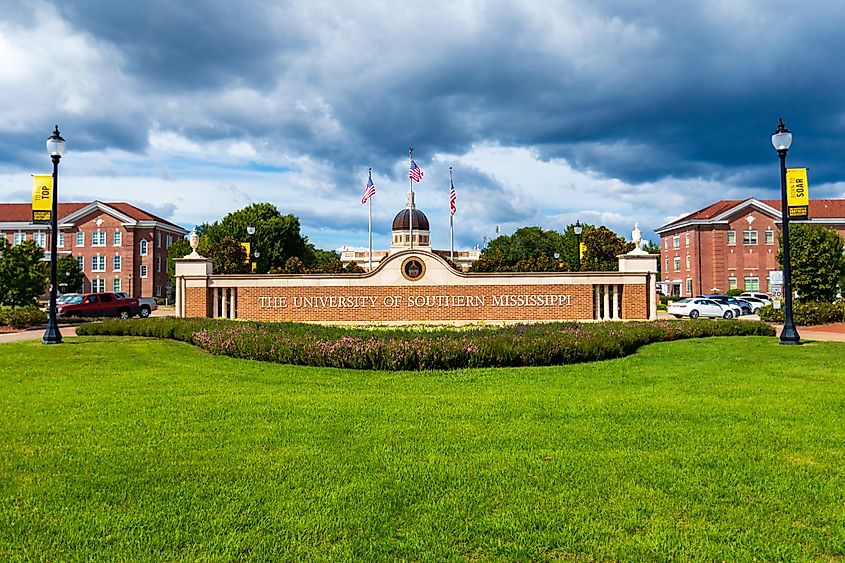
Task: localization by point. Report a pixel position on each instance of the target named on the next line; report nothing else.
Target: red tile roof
(819, 209)
(22, 212)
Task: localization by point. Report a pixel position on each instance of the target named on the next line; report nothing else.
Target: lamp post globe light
(782, 140)
(578, 228)
(56, 147)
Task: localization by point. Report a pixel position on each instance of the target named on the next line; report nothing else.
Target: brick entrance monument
(416, 286)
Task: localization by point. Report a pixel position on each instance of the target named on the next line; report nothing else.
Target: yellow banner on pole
(42, 198)
(582, 250)
(246, 249)
(797, 193)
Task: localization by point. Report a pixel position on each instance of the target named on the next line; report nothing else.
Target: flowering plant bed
(408, 349)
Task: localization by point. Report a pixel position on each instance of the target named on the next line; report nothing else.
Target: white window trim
(117, 238)
(728, 238)
(143, 271)
(766, 236)
(100, 237)
(80, 236)
(60, 242)
(117, 259)
(676, 241)
(143, 247)
(749, 232)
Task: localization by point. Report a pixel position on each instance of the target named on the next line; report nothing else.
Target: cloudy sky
(608, 111)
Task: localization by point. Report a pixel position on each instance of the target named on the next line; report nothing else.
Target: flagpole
(370, 223)
(451, 220)
(410, 200)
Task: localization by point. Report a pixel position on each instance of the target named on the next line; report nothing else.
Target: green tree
(277, 237)
(326, 262)
(294, 265)
(529, 249)
(816, 260)
(23, 273)
(227, 257)
(68, 275)
(602, 248)
(179, 248)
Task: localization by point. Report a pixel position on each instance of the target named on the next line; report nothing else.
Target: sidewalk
(34, 334)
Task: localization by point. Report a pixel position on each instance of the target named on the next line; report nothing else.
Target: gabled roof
(829, 209)
(22, 212)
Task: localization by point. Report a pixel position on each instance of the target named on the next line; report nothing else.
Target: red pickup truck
(98, 305)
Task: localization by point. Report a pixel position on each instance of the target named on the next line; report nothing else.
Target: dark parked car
(745, 308)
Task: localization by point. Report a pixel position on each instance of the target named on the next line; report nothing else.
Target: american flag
(415, 173)
(453, 196)
(370, 190)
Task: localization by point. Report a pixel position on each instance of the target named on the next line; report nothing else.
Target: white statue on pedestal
(637, 239)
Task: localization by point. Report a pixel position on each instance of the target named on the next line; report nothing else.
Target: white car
(755, 303)
(755, 295)
(694, 307)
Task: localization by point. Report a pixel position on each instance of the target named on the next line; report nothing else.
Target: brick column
(192, 293)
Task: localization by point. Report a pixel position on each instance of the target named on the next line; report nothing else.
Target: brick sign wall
(412, 287)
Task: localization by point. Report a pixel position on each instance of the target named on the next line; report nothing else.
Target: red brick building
(731, 244)
(118, 246)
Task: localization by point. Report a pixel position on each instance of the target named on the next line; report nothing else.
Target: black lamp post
(250, 230)
(782, 139)
(56, 147)
(578, 228)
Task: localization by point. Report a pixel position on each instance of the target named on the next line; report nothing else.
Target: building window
(689, 286)
(80, 238)
(143, 270)
(158, 240)
(61, 240)
(666, 244)
(117, 238)
(676, 241)
(169, 240)
(115, 285)
(158, 263)
(732, 282)
(749, 237)
(18, 238)
(666, 264)
(98, 285)
(686, 239)
(80, 261)
(770, 236)
(98, 263)
(677, 263)
(40, 238)
(687, 262)
(731, 238)
(116, 263)
(98, 238)
(158, 291)
(143, 248)
(752, 284)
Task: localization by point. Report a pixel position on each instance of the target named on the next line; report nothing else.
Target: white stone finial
(637, 239)
(637, 235)
(194, 240)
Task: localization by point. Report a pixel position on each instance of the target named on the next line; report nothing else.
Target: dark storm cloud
(191, 46)
(636, 91)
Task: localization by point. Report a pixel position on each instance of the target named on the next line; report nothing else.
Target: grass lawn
(714, 449)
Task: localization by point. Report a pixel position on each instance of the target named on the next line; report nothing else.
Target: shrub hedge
(22, 317)
(807, 313)
(423, 348)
